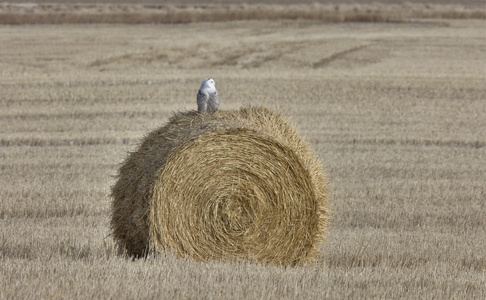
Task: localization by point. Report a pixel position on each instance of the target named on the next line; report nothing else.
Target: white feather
(207, 96)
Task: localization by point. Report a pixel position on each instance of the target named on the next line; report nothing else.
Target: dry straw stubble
(231, 185)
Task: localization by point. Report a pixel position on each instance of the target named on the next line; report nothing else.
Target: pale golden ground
(397, 113)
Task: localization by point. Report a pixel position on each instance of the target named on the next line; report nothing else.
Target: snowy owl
(207, 97)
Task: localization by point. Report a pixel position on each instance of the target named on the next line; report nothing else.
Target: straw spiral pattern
(231, 185)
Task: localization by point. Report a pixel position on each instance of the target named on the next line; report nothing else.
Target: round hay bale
(231, 185)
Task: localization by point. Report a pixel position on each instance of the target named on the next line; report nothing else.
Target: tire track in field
(418, 142)
(257, 54)
(81, 115)
(46, 142)
(49, 142)
(327, 60)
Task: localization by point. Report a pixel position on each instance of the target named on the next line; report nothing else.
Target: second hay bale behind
(232, 185)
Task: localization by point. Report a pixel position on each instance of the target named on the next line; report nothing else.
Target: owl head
(208, 83)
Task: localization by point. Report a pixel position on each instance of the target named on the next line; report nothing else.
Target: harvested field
(395, 111)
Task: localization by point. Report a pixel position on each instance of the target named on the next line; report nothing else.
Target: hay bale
(231, 185)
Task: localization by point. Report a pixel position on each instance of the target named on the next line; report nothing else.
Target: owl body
(207, 96)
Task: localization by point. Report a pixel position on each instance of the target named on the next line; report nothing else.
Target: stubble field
(396, 113)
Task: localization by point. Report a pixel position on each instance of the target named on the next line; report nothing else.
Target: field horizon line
(18, 14)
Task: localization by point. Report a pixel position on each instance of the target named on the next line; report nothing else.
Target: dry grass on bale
(231, 185)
